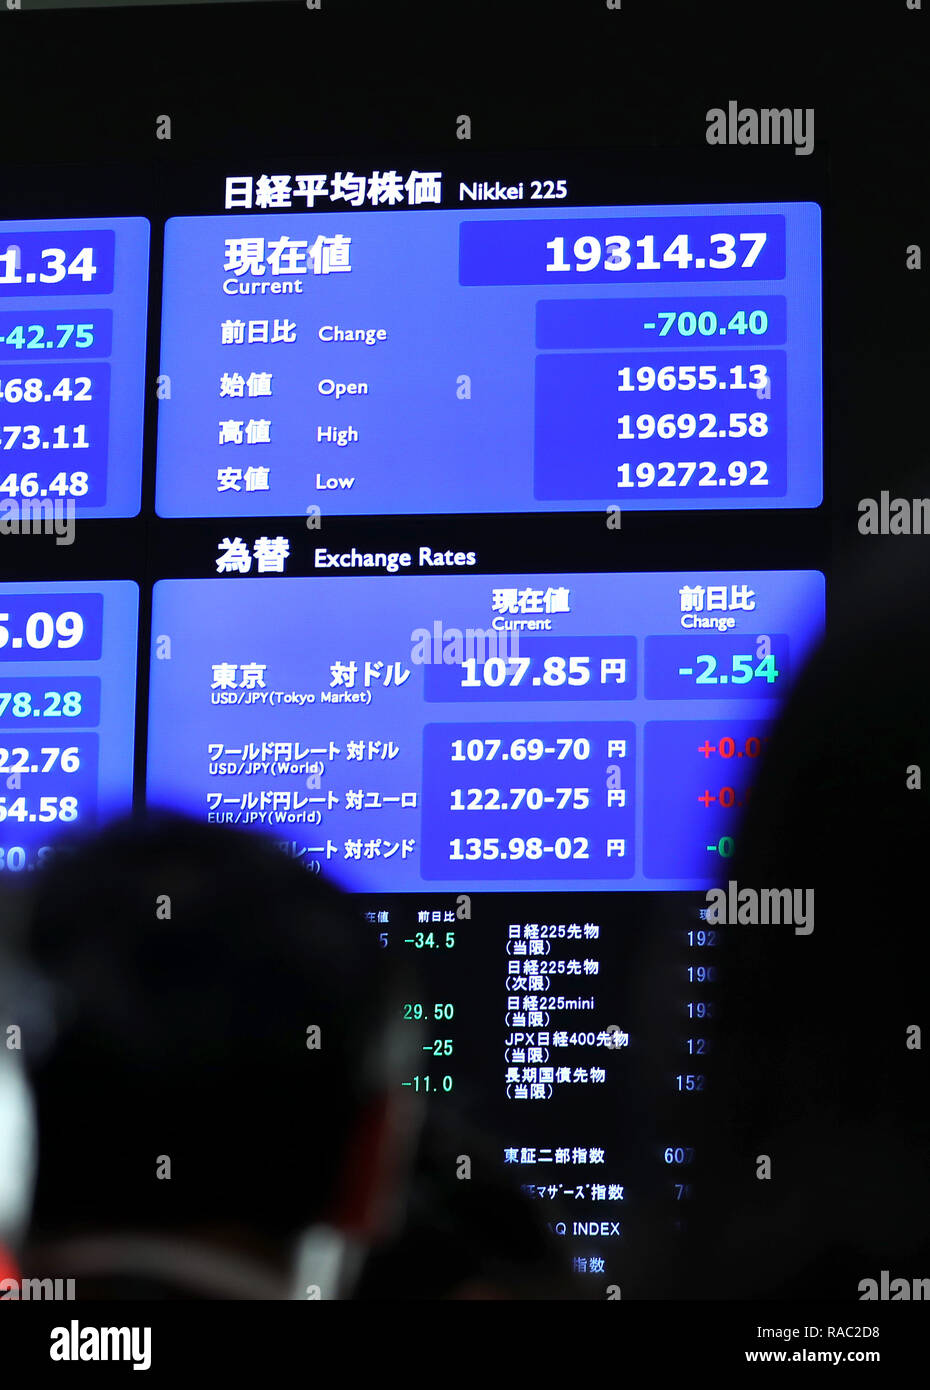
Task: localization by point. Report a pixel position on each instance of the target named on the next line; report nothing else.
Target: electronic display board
(347, 383)
(487, 360)
(560, 728)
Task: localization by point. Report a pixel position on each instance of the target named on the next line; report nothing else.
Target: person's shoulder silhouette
(815, 1138)
(208, 1042)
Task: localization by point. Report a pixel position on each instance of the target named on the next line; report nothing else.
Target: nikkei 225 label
(652, 357)
(72, 358)
(67, 700)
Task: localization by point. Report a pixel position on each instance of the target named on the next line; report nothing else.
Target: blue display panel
(67, 712)
(438, 361)
(73, 298)
(505, 731)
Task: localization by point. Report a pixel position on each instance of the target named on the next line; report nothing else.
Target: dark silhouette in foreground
(189, 1135)
(811, 1064)
(193, 1140)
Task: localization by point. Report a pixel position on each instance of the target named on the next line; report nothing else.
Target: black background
(613, 101)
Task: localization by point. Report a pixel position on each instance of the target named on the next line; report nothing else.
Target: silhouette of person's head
(212, 1043)
(814, 1135)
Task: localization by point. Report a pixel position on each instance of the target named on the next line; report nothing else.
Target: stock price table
(435, 361)
(73, 300)
(67, 710)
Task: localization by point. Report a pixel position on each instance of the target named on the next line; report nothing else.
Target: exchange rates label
(651, 357)
(488, 730)
(73, 300)
(67, 711)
